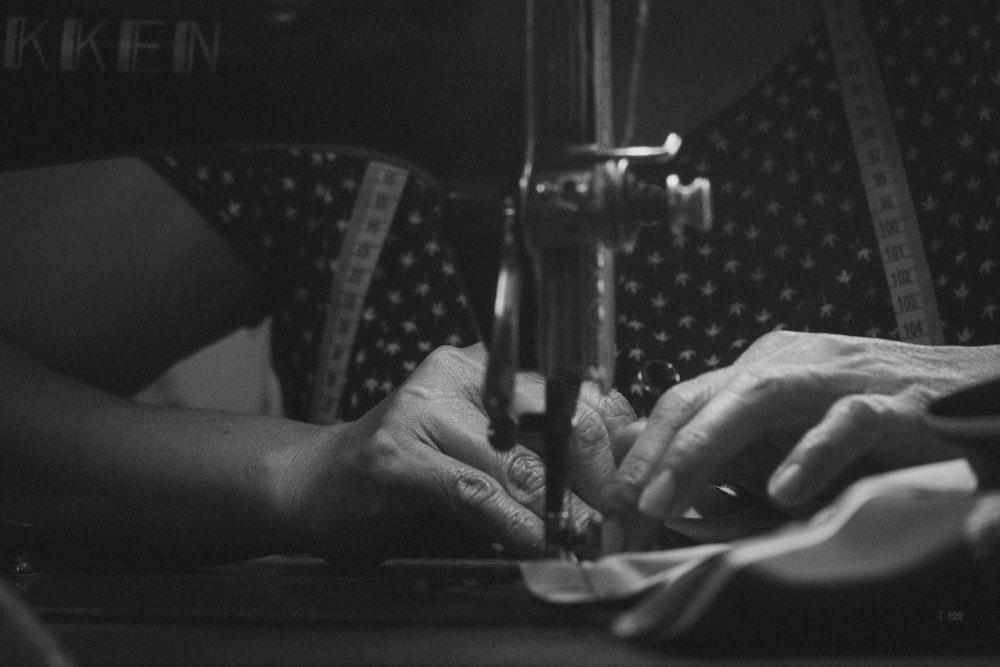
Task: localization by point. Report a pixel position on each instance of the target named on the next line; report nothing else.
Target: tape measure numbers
(378, 197)
(886, 187)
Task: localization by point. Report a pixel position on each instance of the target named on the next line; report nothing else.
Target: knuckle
(779, 338)
(442, 359)
(447, 371)
(473, 489)
(853, 420)
(850, 348)
(589, 427)
(526, 476)
(381, 459)
(916, 397)
(864, 412)
(770, 343)
(765, 388)
(617, 406)
(678, 400)
(755, 381)
(479, 500)
(443, 354)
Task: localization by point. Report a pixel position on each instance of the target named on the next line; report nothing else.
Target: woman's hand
(817, 403)
(365, 488)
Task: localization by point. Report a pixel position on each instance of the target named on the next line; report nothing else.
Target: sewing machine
(580, 200)
(94, 78)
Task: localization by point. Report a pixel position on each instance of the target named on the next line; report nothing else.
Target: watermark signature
(946, 616)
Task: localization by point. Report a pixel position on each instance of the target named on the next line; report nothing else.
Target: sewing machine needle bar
(561, 394)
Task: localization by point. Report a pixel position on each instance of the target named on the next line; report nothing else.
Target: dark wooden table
(294, 611)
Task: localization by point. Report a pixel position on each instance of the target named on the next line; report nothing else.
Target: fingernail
(658, 496)
(786, 484)
(612, 536)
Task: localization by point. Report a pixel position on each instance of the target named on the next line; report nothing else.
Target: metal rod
(561, 394)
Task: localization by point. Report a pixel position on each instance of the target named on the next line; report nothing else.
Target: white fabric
(621, 576)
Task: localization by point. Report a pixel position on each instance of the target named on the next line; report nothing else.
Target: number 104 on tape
(888, 194)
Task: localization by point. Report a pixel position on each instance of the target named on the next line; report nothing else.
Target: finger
(826, 449)
(460, 432)
(591, 459)
(614, 408)
(751, 468)
(477, 499)
(866, 425)
(629, 532)
(446, 415)
(671, 412)
(623, 439)
(522, 474)
(597, 415)
(754, 403)
(639, 447)
(591, 463)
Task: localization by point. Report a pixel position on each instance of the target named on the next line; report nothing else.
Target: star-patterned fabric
(793, 245)
(286, 212)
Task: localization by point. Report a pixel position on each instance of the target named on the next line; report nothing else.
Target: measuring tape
(888, 194)
(378, 197)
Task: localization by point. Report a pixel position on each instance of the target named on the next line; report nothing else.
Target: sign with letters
(126, 46)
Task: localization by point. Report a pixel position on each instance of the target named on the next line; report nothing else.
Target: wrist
(291, 470)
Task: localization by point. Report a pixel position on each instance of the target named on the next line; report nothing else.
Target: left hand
(823, 401)
(371, 488)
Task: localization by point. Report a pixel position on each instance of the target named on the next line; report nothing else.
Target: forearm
(102, 475)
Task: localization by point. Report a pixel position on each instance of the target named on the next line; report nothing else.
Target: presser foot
(564, 541)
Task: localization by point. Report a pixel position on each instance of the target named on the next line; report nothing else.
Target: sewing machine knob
(678, 204)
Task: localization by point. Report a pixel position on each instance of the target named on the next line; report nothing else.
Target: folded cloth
(611, 578)
(902, 560)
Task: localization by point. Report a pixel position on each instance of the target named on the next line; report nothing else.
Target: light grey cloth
(688, 579)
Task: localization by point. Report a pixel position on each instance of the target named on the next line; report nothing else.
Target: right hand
(795, 416)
